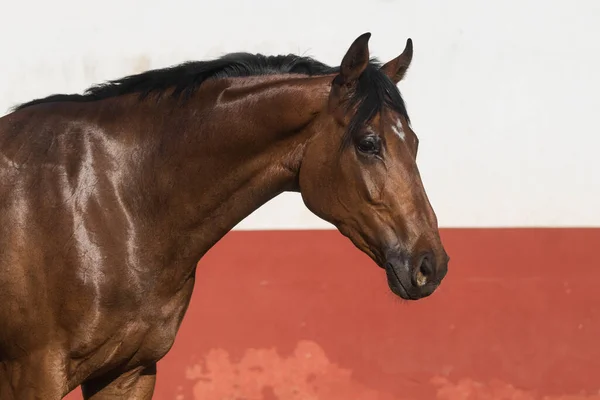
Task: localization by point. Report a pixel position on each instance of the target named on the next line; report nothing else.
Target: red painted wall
(306, 316)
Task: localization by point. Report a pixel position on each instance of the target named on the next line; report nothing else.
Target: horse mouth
(395, 283)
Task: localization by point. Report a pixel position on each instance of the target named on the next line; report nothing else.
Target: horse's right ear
(353, 65)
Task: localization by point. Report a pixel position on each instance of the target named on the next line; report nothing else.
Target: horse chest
(164, 323)
(137, 340)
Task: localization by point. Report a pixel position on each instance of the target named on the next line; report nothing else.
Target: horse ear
(356, 59)
(353, 65)
(396, 69)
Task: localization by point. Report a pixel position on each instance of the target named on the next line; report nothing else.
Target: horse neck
(242, 145)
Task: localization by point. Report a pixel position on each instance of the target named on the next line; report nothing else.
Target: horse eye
(369, 145)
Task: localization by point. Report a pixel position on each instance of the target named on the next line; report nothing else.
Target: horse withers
(109, 199)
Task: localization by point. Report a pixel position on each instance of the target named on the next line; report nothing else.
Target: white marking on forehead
(398, 130)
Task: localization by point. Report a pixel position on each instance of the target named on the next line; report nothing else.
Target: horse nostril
(424, 270)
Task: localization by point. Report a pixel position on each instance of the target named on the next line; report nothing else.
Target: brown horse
(109, 199)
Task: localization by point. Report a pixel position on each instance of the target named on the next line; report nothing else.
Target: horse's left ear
(353, 65)
(396, 69)
(356, 59)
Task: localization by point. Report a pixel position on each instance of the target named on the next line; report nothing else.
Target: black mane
(187, 77)
(374, 90)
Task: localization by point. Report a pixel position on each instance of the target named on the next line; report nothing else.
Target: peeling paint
(262, 374)
(308, 374)
(468, 389)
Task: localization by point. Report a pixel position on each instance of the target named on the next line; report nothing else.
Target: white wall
(505, 95)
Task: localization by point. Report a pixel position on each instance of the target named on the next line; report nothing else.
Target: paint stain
(262, 374)
(141, 64)
(469, 389)
(308, 374)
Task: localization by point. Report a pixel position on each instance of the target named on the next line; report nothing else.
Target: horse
(110, 198)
